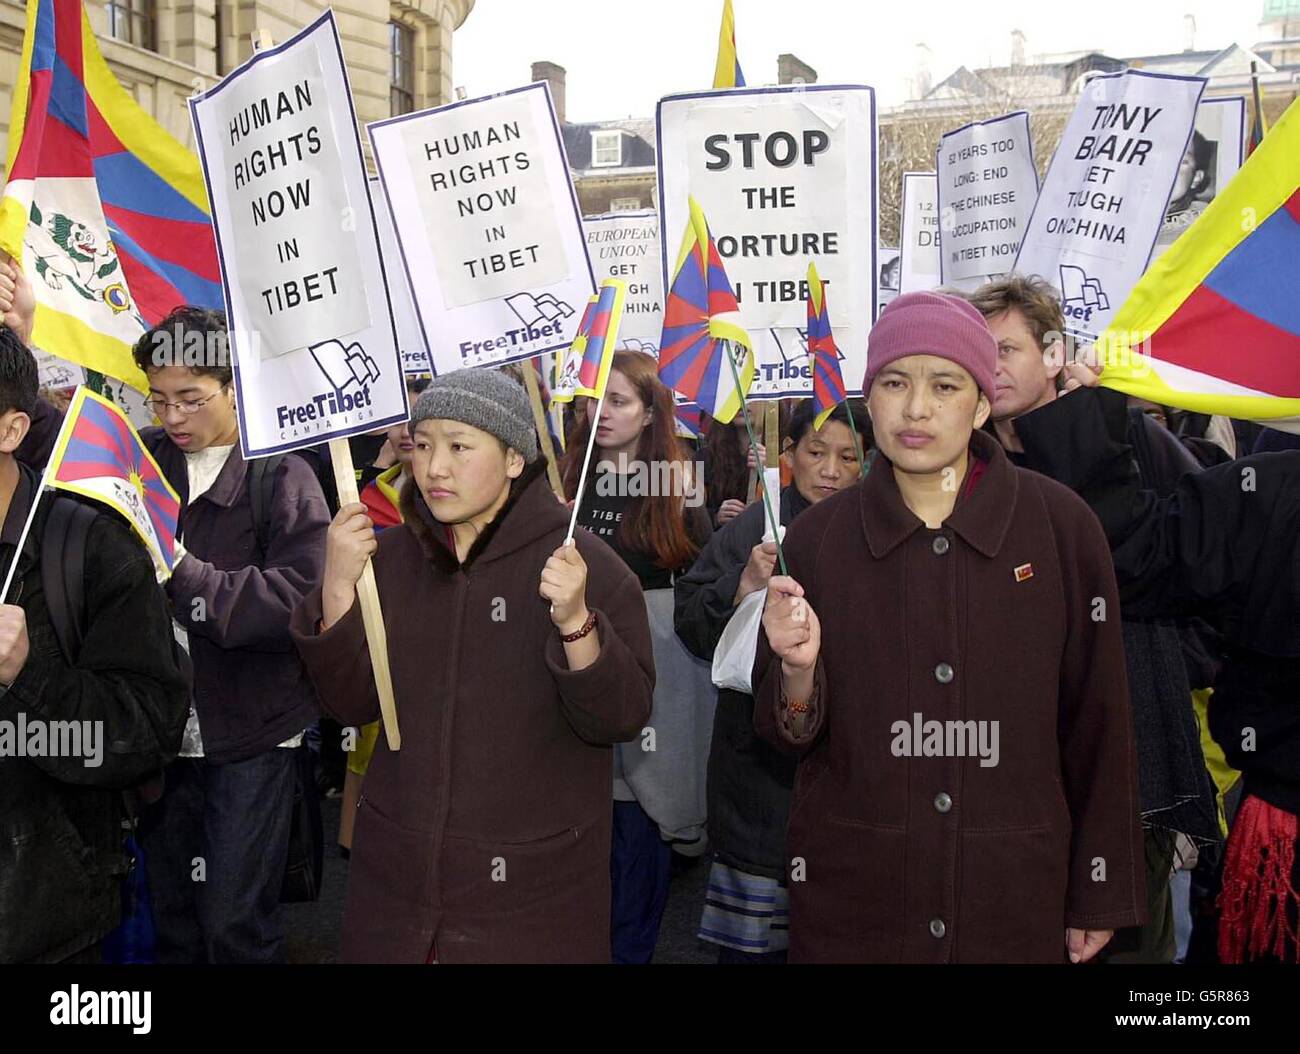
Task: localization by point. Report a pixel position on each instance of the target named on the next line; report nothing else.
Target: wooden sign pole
(345, 479)
(543, 432)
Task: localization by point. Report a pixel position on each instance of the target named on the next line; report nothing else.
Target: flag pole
(753, 445)
(586, 461)
(37, 494)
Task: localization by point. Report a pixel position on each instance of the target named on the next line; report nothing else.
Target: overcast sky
(622, 55)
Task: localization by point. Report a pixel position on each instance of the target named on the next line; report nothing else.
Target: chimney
(1017, 48)
(1189, 29)
(790, 70)
(554, 76)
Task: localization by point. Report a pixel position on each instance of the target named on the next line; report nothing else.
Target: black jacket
(61, 835)
(1225, 545)
(749, 781)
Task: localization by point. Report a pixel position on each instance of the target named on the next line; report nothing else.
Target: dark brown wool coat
(937, 859)
(488, 832)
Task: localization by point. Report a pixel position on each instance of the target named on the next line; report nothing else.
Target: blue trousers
(639, 866)
(216, 845)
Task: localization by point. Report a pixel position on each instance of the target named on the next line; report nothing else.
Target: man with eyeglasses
(217, 842)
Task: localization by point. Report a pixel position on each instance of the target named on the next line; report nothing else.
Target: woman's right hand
(349, 544)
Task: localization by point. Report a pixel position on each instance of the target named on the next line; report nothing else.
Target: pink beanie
(933, 324)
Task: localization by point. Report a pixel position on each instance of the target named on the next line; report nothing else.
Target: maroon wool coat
(940, 859)
(488, 832)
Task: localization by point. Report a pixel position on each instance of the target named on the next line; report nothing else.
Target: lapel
(981, 518)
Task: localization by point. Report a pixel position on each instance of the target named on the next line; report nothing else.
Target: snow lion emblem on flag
(69, 254)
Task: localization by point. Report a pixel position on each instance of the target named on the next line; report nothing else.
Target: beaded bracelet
(587, 627)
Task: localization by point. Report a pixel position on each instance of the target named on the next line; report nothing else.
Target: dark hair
(652, 525)
(165, 344)
(18, 380)
(802, 418)
(725, 450)
(1202, 152)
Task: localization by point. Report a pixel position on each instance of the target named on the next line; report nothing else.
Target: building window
(624, 204)
(132, 21)
(401, 76)
(606, 149)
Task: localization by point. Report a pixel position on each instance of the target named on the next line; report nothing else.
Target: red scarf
(1257, 899)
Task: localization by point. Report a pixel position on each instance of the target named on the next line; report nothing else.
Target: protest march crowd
(995, 663)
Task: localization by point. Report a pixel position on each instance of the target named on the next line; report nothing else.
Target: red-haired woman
(644, 498)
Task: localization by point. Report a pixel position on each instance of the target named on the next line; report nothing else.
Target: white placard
(786, 176)
(918, 235)
(1217, 149)
(625, 245)
(488, 225)
(271, 138)
(987, 188)
(410, 341)
(1106, 192)
(328, 367)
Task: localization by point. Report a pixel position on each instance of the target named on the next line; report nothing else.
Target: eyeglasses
(188, 407)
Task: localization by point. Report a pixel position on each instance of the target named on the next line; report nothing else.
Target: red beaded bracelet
(587, 627)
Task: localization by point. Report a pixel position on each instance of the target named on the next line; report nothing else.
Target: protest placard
(786, 176)
(987, 186)
(1107, 190)
(918, 236)
(312, 340)
(410, 340)
(625, 245)
(487, 222)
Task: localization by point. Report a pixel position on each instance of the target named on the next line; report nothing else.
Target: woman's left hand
(564, 584)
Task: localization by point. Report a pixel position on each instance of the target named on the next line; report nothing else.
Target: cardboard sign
(625, 245)
(1106, 193)
(487, 222)
(311, 330)
(786, 177)
(919, 233)
(987, 188)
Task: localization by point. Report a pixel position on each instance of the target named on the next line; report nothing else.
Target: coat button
(937, 929)
(943, 673)
(942, 802)
(940, 545)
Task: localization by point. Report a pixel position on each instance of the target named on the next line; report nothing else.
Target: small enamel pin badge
(1024, 572)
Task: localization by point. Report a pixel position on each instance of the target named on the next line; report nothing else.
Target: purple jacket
(250, 689)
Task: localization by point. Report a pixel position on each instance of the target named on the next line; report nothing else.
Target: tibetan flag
(828, 381)
(727, 74)
(106, 211)
(1214, 324)
(99, 455)
(586, 366)
(688, 419)
(701, 322)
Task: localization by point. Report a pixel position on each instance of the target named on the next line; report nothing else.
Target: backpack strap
(64, 543)
(261, 487)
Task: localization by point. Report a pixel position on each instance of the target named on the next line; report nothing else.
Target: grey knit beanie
(485, 399)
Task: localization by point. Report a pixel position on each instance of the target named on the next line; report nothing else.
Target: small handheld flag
(585, 369)
(726, 73)
(702, 328)
(828, 380)
(99, 455)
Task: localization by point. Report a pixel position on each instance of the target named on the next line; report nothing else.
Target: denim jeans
(216, 845)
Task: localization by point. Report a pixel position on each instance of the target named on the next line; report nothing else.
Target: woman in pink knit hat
(945, 658)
